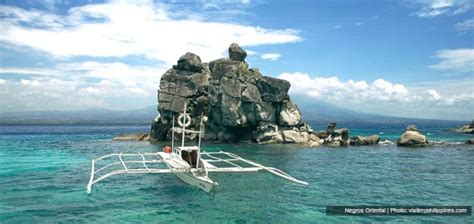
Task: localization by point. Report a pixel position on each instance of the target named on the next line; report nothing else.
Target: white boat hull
(202, 183)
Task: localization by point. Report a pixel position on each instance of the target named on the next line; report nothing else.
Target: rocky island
(241, 104)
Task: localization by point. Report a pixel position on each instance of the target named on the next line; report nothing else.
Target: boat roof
(187, 148)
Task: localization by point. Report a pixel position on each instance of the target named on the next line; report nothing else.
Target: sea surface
(44, 171)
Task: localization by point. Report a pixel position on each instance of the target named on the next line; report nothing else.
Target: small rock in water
(467, 129)
(412, 138)
(470, 141)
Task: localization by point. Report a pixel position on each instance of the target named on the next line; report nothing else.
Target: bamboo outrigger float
(187, 163)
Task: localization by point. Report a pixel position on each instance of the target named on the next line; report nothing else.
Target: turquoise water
(44, 171)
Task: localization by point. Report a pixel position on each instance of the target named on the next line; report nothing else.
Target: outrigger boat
(188, 163)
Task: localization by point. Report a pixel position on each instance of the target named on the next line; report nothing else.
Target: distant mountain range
(313, 112)
(318, 112)
(102, 117)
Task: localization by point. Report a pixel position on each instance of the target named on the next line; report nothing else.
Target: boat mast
(184, 126)
(172, 137)
(200, 129)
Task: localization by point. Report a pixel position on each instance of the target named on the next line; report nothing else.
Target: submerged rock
(240, 103)
(386, 142)
(360, 140)
(412, 137)
(132, 137)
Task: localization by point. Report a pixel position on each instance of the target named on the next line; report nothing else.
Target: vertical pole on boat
(172, 137)
(184, 126)
(200, 134)
(199, 142)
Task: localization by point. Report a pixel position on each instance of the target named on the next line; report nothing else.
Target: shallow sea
(44, 171)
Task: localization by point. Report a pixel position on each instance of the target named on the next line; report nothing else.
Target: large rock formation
(240, 103)
(412, 138)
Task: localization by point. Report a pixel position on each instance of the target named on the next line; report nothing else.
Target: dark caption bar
(399, 210)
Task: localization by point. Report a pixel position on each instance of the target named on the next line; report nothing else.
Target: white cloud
(49, 4)
(115, 71)
(206, 6)
(34, 18)
(384, 97)
(432, 8)
(465, 25)
(28, 71)
(219, 4)
(455, 60)
(119, 29)
(114, 30)
(115, 82)
(250, 52)
(270, 56)
(463, 98)
(46, 94)
(337, 27)
(433, 93)
(331, 88)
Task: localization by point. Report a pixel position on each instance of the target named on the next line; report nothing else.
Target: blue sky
(402, 58)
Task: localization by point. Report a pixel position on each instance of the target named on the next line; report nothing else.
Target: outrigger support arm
(123, 169)
(236, 168)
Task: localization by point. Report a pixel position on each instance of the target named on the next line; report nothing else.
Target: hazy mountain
(313, 112)
(102, 116)
(318, 111)
(321, 112)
